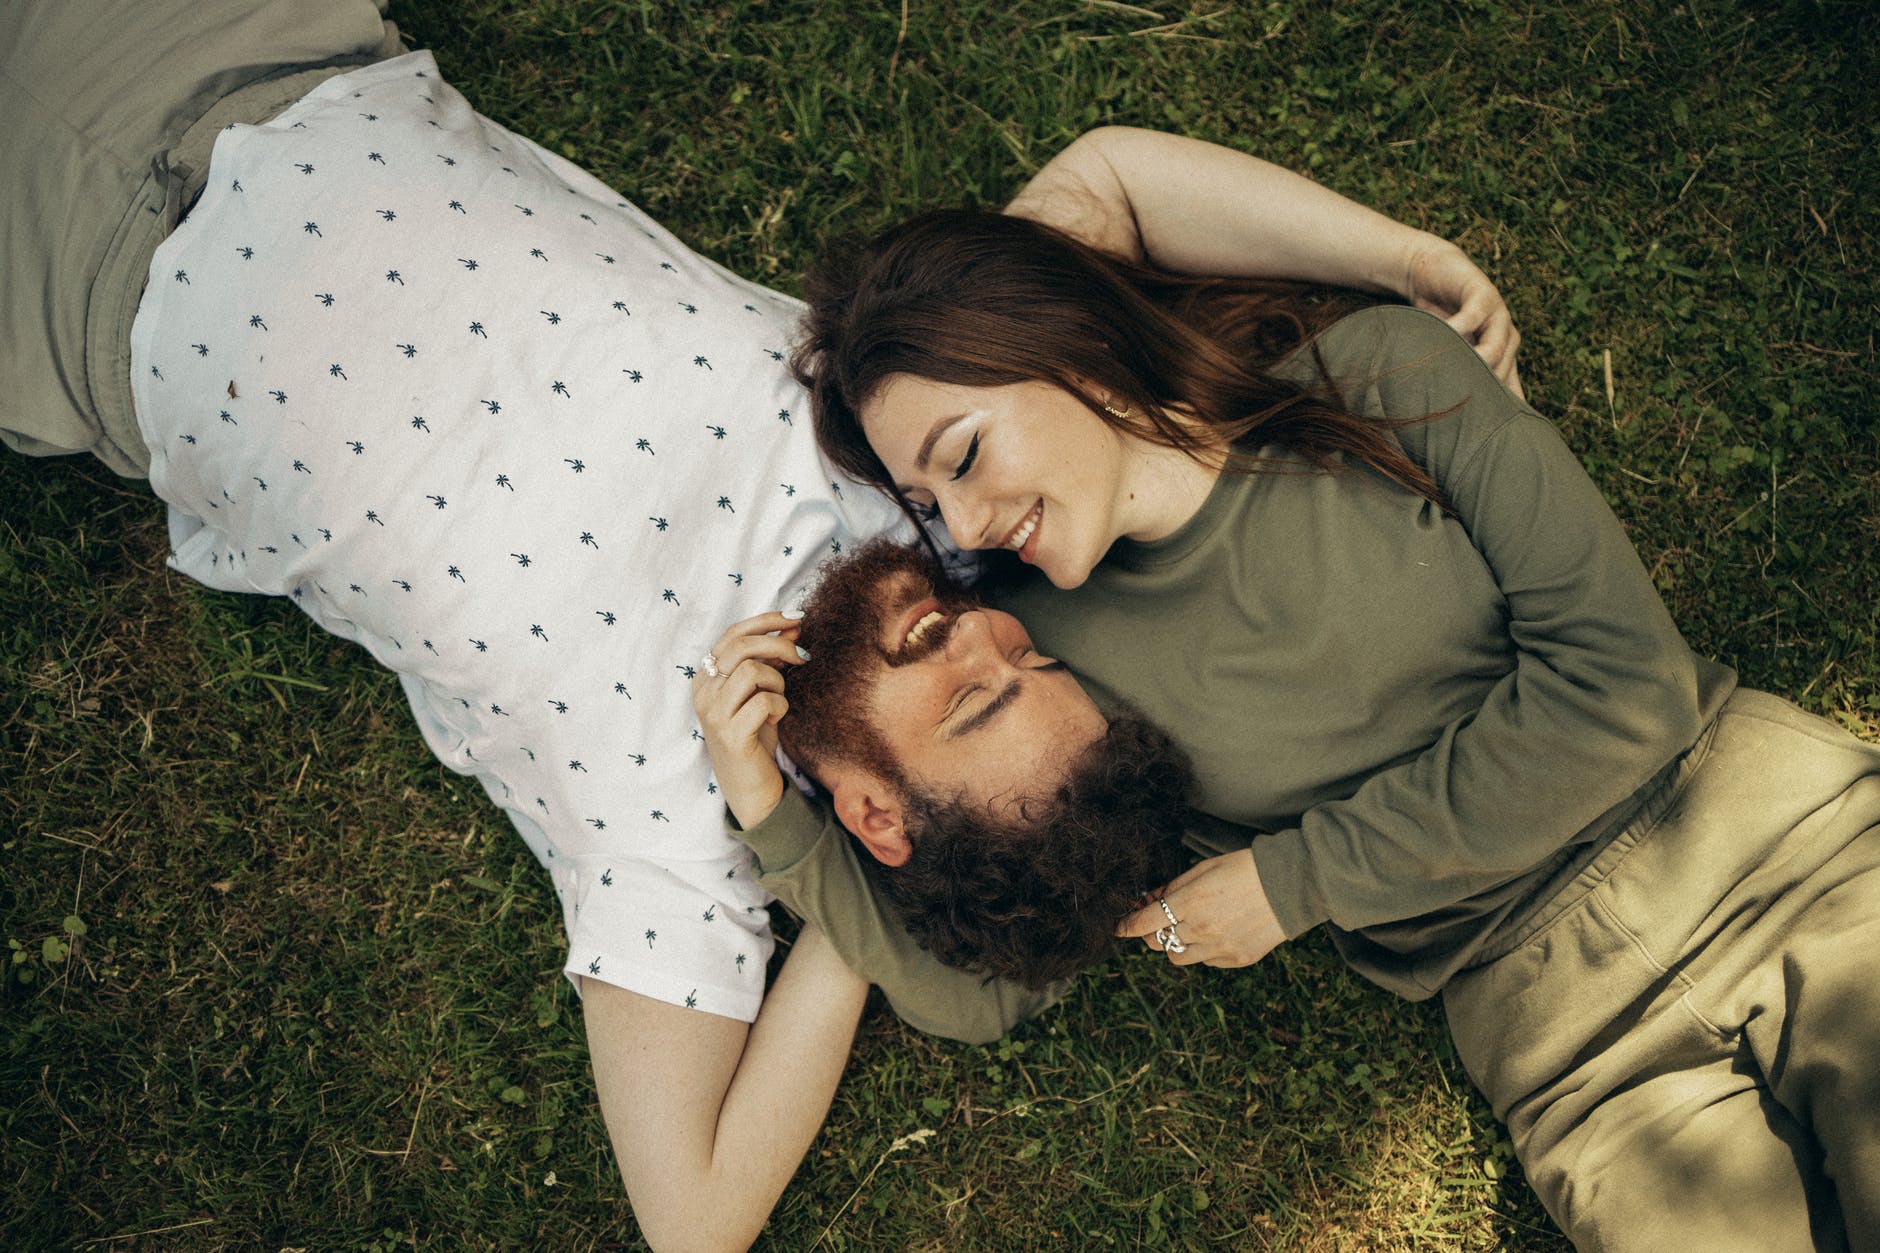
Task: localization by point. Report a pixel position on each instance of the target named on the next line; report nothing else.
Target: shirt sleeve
(1603, 692)
(807, 860)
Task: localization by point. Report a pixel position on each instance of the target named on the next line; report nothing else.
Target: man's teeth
(1017, 539)
(920, 628)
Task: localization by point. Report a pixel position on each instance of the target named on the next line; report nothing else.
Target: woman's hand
(1222, 917)
(738, 709)
(1442, 280)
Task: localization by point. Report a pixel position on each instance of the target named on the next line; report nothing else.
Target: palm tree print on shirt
(476, 247)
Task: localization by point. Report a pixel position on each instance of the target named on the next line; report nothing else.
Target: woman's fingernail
(802, 652)
(794, 611)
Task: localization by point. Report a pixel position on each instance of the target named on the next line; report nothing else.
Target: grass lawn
(278, 980)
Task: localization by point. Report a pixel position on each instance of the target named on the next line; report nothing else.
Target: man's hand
(1222, 917)
(1442, 280)
(739, 707)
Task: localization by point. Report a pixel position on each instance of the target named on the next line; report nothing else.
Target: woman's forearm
(1200, 208)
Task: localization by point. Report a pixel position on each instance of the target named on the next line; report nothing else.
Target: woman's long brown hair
(982, 299)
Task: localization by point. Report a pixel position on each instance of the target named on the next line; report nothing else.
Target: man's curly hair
(1037, 897)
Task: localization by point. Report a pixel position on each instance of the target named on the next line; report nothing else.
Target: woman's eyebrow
(933, 437)
(986, 712)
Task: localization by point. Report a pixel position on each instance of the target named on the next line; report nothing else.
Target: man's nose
(971, 638)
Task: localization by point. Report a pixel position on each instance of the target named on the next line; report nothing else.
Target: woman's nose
(969, 522)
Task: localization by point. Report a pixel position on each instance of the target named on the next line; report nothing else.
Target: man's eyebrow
(933, 437)
(986, 712)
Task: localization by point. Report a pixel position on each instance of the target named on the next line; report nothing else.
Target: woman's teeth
(921, 628)
(1016, 540)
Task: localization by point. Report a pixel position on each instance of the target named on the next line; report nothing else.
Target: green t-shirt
(1420, 722)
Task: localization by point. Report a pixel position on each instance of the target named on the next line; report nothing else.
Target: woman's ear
(871, 810)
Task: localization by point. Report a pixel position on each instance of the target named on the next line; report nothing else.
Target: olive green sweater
(1422, 723)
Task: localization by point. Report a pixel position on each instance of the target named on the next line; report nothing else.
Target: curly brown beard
(1037, 896)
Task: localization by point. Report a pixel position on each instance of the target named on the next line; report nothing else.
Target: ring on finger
(1170, 942)
(710, 662)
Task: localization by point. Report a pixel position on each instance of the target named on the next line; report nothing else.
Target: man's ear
(871, 810)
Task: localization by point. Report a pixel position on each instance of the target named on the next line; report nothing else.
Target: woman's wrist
(1416, 251)
(754, 799)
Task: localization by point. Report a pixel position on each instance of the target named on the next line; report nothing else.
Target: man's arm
(708, 1117)
(1199, 208)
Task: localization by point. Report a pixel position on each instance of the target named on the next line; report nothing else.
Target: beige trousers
(1685, 1041)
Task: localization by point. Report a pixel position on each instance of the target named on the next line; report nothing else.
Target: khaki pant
(1685, 1042)
(108, 110)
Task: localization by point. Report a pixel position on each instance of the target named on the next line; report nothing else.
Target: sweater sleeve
(1602, 694)
(807, 861)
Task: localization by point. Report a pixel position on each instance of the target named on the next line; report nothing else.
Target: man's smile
(927, 620)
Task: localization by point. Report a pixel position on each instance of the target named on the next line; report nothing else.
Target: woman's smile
(1023, 537)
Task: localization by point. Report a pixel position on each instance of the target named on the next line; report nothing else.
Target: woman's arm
(1199, 208)
(1600, 694)
(708, 1117)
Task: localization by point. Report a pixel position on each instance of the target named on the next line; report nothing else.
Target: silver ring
(710, 662)
(1166, 911)
(1170, 942)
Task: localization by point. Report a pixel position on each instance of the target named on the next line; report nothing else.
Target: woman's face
(1024, 467)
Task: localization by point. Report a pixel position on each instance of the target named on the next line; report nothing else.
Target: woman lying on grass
(469, 408)
(1428, 690)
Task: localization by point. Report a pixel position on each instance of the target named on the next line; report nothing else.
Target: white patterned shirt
(472, 410)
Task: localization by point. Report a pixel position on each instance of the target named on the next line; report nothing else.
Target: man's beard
(1036, 896)
(845, 622)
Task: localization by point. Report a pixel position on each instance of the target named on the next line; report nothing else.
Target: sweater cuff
(1286, 877)
(787, 834)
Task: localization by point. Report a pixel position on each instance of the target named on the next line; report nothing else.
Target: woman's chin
(1062, 579)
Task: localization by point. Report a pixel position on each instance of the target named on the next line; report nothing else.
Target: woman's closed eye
(966, 462)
